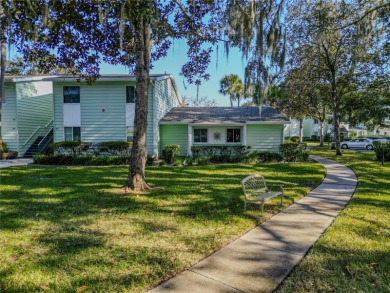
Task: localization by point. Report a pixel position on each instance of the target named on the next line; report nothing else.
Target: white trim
(190, 140)
(243, 141)
(227, 123)
(31, 78)
(103, 78)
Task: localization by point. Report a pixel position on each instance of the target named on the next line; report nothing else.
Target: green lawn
(354, 254)
(69, 228)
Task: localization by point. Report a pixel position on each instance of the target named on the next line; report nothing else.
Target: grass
(68, 229)
(354, 254)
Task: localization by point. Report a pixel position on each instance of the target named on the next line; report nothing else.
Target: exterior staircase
(40, 145)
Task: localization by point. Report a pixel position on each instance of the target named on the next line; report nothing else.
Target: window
(130, 94)
(233, 135)
(315, 121)
(72, 133)
(71, 94)
(130, 133)
(200, 135)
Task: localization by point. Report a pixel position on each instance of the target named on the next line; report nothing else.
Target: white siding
(264, 137)
(102, 110)
(34, 111)
(9, 125)
(164, 99)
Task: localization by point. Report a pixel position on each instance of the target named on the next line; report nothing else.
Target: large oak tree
(79, 35)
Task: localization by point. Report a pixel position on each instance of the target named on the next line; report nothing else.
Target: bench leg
(281, 199)
(262, 208)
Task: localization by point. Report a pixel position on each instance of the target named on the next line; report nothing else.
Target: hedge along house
(104, 111)
(262, 130)
(27, 114)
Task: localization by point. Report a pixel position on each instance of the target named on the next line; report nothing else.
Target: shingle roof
(222, 115)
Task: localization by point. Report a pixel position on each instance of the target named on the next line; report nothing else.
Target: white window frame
(72, 132)
(207, 136)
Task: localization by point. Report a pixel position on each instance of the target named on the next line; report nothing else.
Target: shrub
(224, 151)
(120, 148)
(82, 160)
(189, 161)
(294, 138)
(293, 152)
(3, 147)
(170, 152)
(65, 147)
(382, 150)
(163, 163)
(149, 161)
(177, 162)
(267, 157)
(202, 161)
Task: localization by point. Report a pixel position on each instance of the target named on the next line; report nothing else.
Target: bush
(170, 152)
(382, 150)
(294, 138)
(149, 161)
(177, 162)
(267, 157)
(163, 163)
(119, 148)
(75, 148)
(293, 152)
(189, 161)
(223, 151)
(81, 160)
(3, 147)
(65, 147)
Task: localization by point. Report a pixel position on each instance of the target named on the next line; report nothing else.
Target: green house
(104, 111)
(249, 126)
(27, 113)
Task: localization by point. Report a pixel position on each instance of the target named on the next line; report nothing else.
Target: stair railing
(31, 136)
(42, 140)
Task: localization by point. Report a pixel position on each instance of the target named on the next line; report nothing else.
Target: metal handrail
(39, 127)
(44, 137)
(49, 123)
(42, 148)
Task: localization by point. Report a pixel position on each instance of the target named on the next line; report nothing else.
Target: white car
(358, 143)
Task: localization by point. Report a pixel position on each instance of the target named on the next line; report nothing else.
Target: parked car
(358, 143)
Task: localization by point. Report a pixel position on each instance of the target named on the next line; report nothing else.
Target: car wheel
(344, 146)
(369, 147)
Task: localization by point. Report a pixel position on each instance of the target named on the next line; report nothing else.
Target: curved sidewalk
(259, 260)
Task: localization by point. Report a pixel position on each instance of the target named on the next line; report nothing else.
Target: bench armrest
(277, 186)
(281, 189)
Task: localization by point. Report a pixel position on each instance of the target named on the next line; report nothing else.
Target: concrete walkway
(15, 162)
(260, 260)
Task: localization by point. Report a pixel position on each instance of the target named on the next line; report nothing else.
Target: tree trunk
(321, 133)
(337, 133)
(2, 75)
(136, 179)
(231, 101)
(238, 101)
(300, 130)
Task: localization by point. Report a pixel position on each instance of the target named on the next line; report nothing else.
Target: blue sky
(177, 56)
(175, 59)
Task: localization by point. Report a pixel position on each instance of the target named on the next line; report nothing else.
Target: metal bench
(255, 189)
